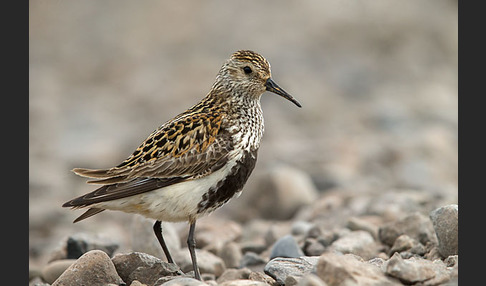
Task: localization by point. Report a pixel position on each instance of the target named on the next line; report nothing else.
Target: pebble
(182, 281)
(314, 232)
(253, 236)
(34, 273)
(407, 271)
(231, 254)
(358, 242)
(358, 223)
(326, 238)
(452, 264)
(406, 243)
(275, 231)
(452, 261)
(262, 277)
(80, 243)
(54, 269)
(415, 225)
(280, 268)
(243, 282)
(286, 247)
(301, 227)
(144, 240)
(38, 283)
(310, 280)
(291, 280)
(128, 263)
(207, 262)
(432, 252)
(293, 189)
(349, 269)
(207, 277)
(378, 262)
(417, 270)
(326, 210)
(253, 247)
(92, 268)
(446, 221)
(216, 231)
(252, 259)
(312, 247)
(286, 187)
(234, 274)
(395, 203)
(151, 274)
(443, 275)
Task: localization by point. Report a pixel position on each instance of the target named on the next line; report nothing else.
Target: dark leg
(158, 233)
(191, 244)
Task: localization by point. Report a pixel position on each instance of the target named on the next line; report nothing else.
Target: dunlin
(194, 163)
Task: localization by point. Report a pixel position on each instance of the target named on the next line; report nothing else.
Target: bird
(194, 163)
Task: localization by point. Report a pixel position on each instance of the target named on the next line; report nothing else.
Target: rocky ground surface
(357, 187)
(332, 238)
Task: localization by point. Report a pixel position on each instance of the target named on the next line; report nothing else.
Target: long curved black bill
(273, 87)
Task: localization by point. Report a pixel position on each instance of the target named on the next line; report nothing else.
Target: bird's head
(247, 73)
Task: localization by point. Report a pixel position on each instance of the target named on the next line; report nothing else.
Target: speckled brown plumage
(195, 162)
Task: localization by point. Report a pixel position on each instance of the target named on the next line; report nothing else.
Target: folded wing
(186, 148)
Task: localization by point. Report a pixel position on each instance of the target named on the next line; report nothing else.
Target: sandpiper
(194, 163)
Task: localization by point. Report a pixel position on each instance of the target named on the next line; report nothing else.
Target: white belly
(174, 203)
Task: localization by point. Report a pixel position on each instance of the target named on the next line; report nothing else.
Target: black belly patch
(227, 188)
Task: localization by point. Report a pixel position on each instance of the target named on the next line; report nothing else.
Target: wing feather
(188, 147)
(120, 190)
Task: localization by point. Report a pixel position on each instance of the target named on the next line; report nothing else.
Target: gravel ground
(359, 186)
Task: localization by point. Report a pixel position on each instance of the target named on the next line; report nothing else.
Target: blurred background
(377, 81)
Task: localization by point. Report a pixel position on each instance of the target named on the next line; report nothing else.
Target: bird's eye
(247, 69)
